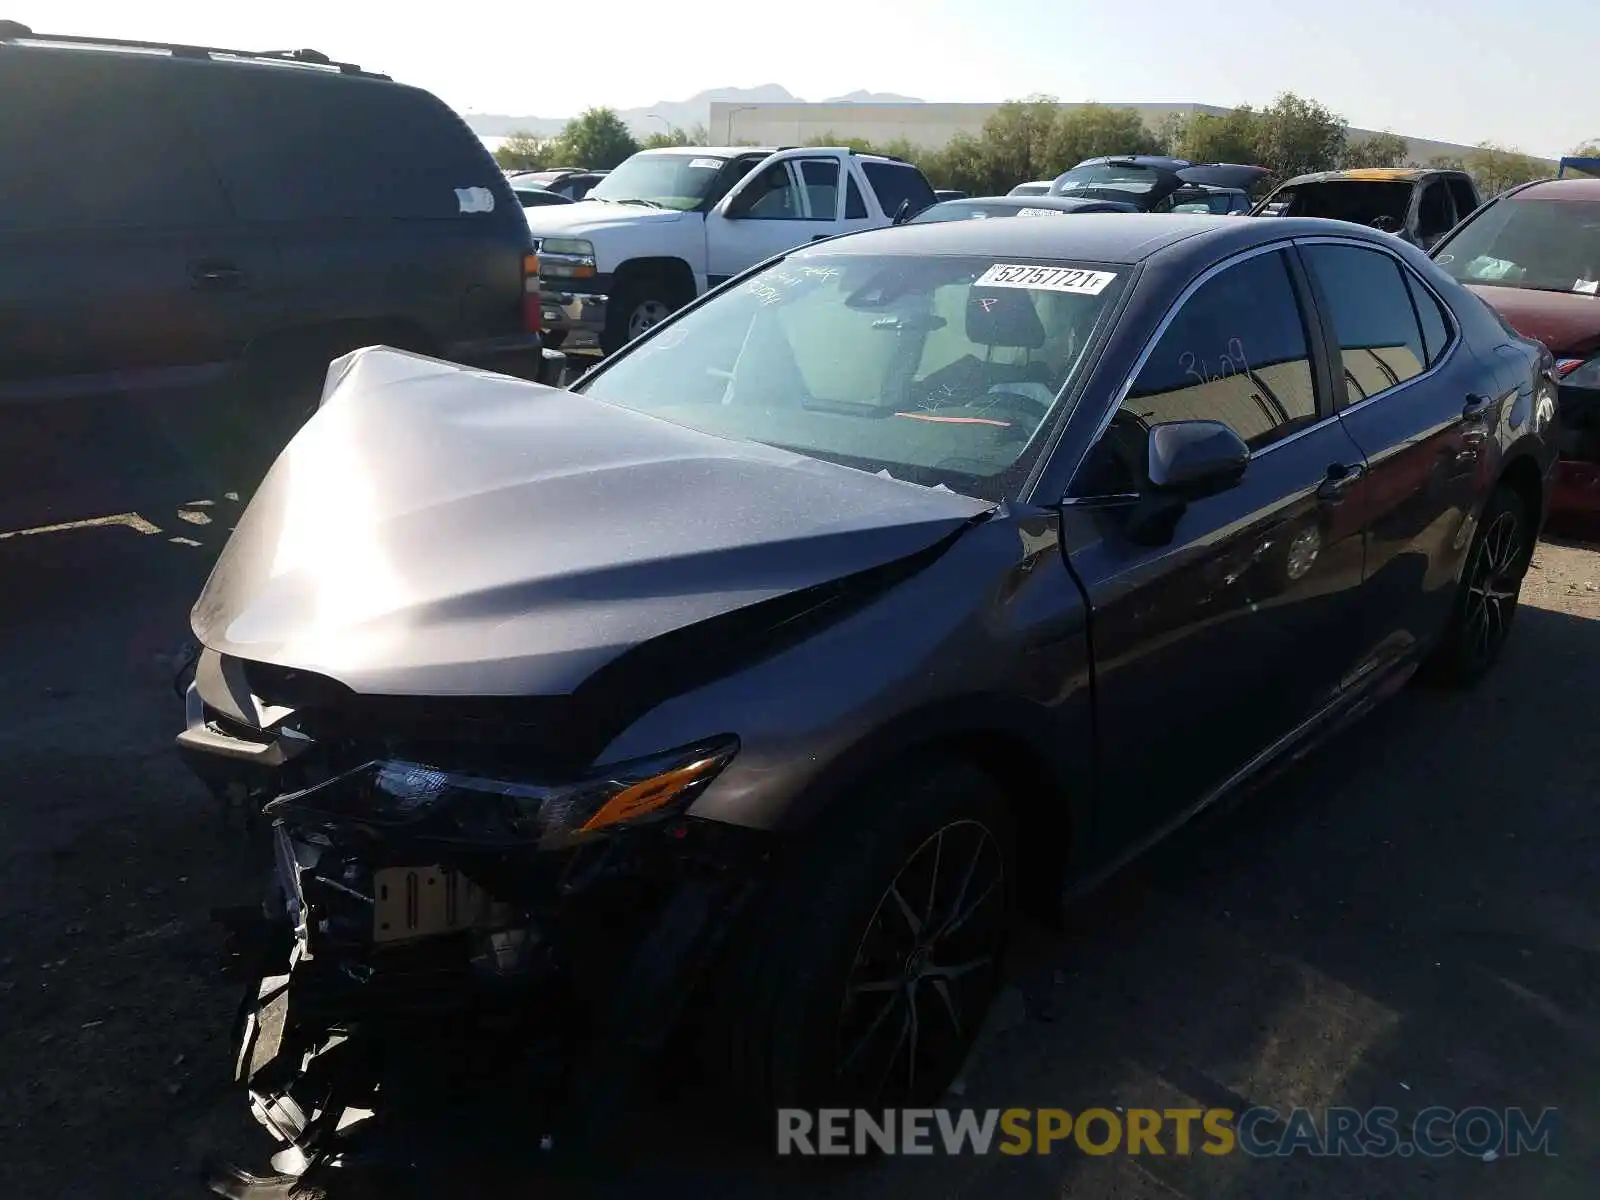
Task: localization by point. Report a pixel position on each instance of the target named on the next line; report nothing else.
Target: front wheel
(640, 304)
(863, 981)
(1486, 601)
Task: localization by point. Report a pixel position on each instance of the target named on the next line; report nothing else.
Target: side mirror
(1191, 459)
(1385, 224)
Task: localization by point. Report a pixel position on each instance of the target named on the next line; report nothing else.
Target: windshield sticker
(705, 164)
(1040, 212)
(1588, 287)
(1046, 279)
(475, 199)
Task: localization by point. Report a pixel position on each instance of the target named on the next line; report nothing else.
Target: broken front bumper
(573, 953)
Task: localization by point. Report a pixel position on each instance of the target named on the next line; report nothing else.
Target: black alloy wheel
(925, 968)
(1493, 583)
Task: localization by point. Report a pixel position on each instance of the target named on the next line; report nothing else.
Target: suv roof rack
(16, 31)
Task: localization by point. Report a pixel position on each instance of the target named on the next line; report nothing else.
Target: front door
(1420, 404)
(789, 201)
(1218, 641)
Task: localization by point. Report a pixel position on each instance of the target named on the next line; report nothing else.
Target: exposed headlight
(1575, 372)
(566, 258)
(418, 800)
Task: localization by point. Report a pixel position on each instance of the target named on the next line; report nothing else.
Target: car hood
(438, 531)
(1567, 323)
(587, 216)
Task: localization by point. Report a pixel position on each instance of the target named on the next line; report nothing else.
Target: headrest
(1003, 317)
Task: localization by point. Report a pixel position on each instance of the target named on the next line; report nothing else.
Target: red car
(1534, 254)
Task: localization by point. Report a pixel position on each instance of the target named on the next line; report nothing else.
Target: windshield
(976, 210)
(1108, 177)
(679, 181)
(1545, 245)
(1359, 201)
(936, 370)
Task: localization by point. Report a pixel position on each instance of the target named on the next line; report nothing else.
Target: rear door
(120, 250)
(791, 198)
(896, 184)
(1215, 643)
(1419, 404)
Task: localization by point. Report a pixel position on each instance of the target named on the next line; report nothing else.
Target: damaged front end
(451, 891)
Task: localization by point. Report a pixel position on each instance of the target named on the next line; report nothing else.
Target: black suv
(171, 213)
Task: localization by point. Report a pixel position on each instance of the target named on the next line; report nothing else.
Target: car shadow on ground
(1406, 919)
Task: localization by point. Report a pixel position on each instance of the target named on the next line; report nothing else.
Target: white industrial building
(932, 125)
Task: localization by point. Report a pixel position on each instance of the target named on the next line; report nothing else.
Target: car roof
(1561, 189)
(18, 38)
(1125, 238)
(1373, 175)
(712, 151)
(1062, 203)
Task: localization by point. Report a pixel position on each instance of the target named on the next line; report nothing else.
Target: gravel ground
(1410, 918)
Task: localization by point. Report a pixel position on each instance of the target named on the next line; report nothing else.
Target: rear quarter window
(296, 145)
(896, 184)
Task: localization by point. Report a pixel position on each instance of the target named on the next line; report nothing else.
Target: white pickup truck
(667, 224)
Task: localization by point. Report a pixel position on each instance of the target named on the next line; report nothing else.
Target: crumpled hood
(587, 216)
(1567, 323)
(434, 530)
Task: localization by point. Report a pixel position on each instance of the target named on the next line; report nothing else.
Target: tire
(813, 1006)
(641, 302)
(1486, 600)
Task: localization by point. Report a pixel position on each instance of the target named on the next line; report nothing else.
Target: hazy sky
(1452, 70)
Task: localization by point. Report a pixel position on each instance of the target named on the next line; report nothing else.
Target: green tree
(523, 151)
(1298, 135)
(1016, 141)
(1496, 168)
(1090, 131)
(1380, 150)
(1232, 137)
(597, 139)
(1589, 149)
(695, 135)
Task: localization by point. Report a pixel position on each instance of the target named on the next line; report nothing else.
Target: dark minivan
(169, 214)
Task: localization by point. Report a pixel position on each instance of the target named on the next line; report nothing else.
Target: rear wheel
(1486, 601)
(863, 981)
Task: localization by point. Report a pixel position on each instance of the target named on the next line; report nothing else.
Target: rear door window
(297, 145)
(1435, 325)
(1380, 341)
(98, 145)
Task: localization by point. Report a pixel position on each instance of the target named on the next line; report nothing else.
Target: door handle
(1475, 409)
(216, 276)
(1341, 478)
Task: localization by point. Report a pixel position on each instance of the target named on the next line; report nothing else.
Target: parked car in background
(570, 183)
(982, 207)
(1418, 205)
(746, 688)
(1155, 183)
(535, 197)
(668, 224)
(1039, 187)
(259, 211)
(1533, 252)
(1219, 202)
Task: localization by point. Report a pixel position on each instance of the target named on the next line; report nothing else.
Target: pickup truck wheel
(862, 980)
(636, 306)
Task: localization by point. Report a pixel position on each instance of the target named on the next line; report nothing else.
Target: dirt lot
(1413, 918)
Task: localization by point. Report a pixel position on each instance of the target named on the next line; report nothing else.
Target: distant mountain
(682, 114)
